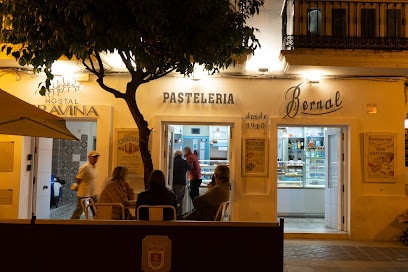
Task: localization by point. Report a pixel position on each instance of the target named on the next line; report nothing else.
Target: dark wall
(196, 246)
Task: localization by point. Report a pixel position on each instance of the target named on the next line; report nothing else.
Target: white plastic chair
(156, 211)
(222, 210)
(85, 206)
(103, 211)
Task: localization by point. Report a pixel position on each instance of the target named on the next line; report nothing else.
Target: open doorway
(310, 177)
(68, 156)
(210, 142)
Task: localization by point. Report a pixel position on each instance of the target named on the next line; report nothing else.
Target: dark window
(195, 131)
(368, 23)
(314, 18)
(339, 22)
(394, 23)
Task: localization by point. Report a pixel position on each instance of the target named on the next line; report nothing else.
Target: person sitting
(157, 194)
(117, 190)
(206, 205)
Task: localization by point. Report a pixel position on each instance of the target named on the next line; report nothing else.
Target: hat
(93, 154)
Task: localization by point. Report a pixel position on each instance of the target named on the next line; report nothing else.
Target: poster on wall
(255, 157)
(127, 151)
(379, 157)
(406, 147)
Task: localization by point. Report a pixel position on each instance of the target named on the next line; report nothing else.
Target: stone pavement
(323, 255)
(308, 255)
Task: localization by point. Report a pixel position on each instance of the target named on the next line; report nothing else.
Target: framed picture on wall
(127, 152)
(255, 157)
(379, 157)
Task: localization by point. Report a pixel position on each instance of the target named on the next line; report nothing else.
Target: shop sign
(198, 98)
(296, 105)
(70, 110)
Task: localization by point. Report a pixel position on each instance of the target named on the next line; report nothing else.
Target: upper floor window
(394, 23)
(339, 22)
(368, 23)
(314, 21)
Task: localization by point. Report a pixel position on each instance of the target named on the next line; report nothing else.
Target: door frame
(160, 144)
(348, 130)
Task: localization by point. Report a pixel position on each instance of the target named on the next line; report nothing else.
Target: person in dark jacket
(180, 168)
(157, 194)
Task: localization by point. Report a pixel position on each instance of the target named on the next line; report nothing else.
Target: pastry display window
(301, 159)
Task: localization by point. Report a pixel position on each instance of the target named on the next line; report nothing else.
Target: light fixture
(371, 108)
(406, 122)
(198, 72)
(312, 77)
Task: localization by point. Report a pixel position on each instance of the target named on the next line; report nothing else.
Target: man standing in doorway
(194, 175)
(180, 168)
(86, 178)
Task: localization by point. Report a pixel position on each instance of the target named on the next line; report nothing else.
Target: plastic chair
(156, 212)
(85, 205)
(103, 211)
(222, 210)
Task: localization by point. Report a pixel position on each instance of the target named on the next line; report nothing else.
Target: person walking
(180, 168)
(86, 179)
(194, 174)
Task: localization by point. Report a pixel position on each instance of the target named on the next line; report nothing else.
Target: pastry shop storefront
(333, 148)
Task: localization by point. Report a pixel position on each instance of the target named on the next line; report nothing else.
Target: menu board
(254, 157)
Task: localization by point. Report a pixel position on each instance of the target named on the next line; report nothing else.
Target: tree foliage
(152, 37)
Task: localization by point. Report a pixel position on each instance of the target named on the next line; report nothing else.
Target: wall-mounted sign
(255, 157)
(379, 154)
(127, 151)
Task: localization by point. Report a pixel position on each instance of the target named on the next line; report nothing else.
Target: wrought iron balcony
(377, 25)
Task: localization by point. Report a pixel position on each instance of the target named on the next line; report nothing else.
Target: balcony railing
(344, 25)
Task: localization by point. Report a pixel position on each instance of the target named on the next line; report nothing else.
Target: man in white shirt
(86, 178)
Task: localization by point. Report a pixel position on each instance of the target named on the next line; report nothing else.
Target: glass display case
(207, 169)
(315, 167)
(290, 173)
(301, 157)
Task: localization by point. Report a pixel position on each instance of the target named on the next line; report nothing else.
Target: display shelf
(290, 173)
(301, 157)
(315, 167)
(207, 170)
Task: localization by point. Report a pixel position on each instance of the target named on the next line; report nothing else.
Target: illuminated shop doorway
(210, 141)
(311, 179)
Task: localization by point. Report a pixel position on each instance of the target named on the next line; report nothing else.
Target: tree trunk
(144, 133)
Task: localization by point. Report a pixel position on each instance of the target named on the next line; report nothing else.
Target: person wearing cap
(86, 179)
